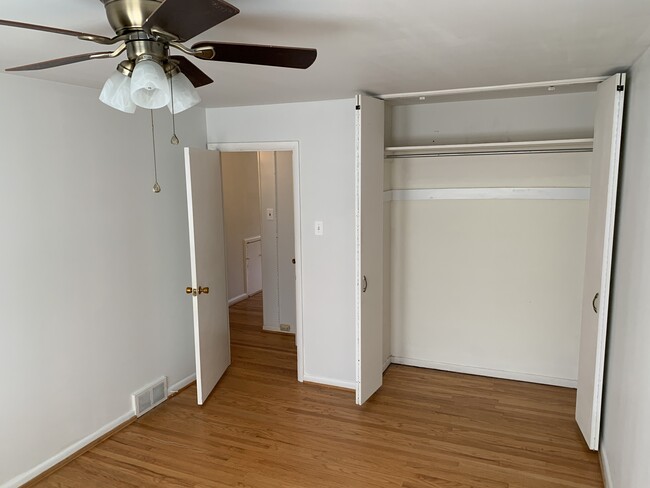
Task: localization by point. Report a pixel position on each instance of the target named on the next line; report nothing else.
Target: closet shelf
(557, 145)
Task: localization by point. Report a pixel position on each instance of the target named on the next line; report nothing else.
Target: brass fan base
(126, 16)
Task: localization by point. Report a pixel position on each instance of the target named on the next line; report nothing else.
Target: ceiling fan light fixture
(117, 93)
(149, 85)
(184, 93)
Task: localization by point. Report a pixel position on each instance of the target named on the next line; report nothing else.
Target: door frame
(294, 147)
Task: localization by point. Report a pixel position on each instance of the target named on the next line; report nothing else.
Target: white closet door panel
(370, 258)
(598, 264)
(208, 265)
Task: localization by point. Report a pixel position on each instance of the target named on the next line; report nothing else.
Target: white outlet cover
(318, 228)
(270, 214)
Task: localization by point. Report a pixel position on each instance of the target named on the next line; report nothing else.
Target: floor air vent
(150, 396)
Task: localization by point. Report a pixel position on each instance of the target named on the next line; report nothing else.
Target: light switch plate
(318, 228)
(270, 214)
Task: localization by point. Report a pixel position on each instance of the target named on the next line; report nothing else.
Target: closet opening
(499, 210)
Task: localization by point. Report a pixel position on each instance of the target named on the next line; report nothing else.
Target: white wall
(94, 265)
(325, 131)
(625, 445)
(241, 205)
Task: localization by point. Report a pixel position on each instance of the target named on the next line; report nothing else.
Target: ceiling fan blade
(52, 63)
(284, 57)
(193, 73)
(186, 19)
(53, 30)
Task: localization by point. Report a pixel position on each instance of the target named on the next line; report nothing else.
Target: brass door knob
(205, 290)
(189, 290)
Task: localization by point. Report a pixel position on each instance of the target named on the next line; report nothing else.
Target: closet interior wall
(487, 286)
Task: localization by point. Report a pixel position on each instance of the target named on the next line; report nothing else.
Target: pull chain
(174, 140)
(156, 186)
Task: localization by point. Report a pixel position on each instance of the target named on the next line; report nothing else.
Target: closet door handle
(593, 303)
(365, 284)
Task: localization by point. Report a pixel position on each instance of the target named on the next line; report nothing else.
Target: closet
(498, 217)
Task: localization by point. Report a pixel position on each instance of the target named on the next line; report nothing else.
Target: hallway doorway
(263, 179)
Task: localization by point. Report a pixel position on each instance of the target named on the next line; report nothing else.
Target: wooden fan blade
(53, 30)
(186, 19)
(52, 63)
(284, 57)
(193, 73)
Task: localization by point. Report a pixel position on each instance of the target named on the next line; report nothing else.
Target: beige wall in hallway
(241, 201)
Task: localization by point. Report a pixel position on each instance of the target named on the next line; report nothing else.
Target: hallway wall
(241, 209)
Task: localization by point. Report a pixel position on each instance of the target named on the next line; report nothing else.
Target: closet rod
(488, 153)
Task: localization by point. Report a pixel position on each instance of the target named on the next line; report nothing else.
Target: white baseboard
(493, 373)
(604, 468)
(67, 452)
(237, 299)
(348, 385)
(176, 387)
(387, 362)
(276, 329)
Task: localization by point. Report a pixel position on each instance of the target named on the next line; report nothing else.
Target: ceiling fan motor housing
(126, 16)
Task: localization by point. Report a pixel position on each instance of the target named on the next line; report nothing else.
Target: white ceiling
(373, 46)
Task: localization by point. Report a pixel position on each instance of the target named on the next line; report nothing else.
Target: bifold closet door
(370, 235)
(598, 264)
(209, 288)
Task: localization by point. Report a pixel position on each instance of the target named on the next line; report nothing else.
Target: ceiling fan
(146, 30)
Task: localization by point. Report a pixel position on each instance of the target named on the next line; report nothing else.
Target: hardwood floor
(261, 428)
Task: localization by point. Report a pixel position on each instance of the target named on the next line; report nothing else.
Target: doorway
(262, 232)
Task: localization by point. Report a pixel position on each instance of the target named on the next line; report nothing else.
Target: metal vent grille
(158, 393)
(150, 396)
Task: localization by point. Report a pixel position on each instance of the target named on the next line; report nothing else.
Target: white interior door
(208, 263)
(370, 259)
(253, 255)
(598, 265)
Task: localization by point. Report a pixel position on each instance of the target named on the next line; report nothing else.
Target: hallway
(261, 428)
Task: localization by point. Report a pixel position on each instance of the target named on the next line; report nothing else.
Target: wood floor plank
(263, 429)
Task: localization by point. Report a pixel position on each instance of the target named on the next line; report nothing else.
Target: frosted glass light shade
(149, 86)
(117, 93)
(184, 93)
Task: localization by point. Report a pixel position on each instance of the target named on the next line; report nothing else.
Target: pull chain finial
(175, 139)
(156, 186)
